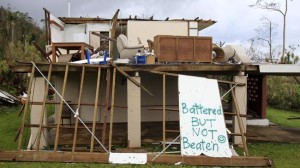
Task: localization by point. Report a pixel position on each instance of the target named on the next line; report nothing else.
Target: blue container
(141, 59)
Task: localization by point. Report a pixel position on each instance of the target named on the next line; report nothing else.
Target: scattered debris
(7, 99)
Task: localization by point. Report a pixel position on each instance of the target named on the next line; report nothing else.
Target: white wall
(149, 29)
(75, 33)
(153, 82)
(57, 35)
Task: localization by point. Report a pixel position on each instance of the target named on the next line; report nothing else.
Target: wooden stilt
(164, 112)
(26, 108)
(131, 79)
(43, 110)
(241, 127)
(58, 118)
(95, 109)
(112, 109)
(108, 78)
(78, 107)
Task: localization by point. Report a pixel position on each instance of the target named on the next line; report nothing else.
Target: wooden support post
(43, 109)
(164, 112)
(78, 107)
(95, 109)
(112, 109)
(107, 96)
(58, 118)
(130, 78)
(239, 122)
(26, 108)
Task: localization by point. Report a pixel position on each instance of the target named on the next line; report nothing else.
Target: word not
(201, 145)
(204, 132)
(199, 109)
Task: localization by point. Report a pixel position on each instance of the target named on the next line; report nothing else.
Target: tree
(273, 6)
(291, 57)
(253, 51)
(265, 34)
(17, 31)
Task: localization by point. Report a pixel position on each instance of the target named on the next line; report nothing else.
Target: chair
(126, 50)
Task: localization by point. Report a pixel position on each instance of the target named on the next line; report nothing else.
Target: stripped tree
(273, 6)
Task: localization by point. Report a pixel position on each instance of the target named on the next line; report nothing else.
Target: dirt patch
(273, 134)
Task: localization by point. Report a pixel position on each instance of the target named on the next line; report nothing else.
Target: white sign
(128, 158)
(202, 125)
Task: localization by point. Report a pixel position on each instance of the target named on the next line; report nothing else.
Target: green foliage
(17, 31)
(283, 92)
(291, 57)
(280, 117)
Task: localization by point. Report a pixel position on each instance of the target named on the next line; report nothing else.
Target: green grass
(279, 117)
(9, 125)
(283, 154)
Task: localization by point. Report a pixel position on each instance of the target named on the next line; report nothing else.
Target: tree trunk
(284, 25)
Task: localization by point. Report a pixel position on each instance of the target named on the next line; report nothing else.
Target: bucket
(141, 59)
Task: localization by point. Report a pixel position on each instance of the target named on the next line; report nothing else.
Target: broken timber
(23, 156)
(92, 156)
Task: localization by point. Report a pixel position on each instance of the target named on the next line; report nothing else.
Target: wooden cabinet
(182, 48)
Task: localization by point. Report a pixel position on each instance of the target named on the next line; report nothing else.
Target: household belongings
(125, 49)
(182, 48)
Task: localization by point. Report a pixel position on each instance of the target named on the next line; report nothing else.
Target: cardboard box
(150, 59)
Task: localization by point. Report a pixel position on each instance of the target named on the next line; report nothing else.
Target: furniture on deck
(125, 49)
(182, 48)
(79, 46)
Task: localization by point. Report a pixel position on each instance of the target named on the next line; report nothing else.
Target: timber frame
(85, 157)
(94, 156)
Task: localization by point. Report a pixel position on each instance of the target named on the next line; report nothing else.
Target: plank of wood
(58, 118)
(164, 111)
(107, 96)
(21, 110)
(130, 78)
(241, 127)
(43, 110)
(112, 110)
(171, 159)
(26, 107)
(78, 107)
(95, 109)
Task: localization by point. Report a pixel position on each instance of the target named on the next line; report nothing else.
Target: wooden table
(79, 46)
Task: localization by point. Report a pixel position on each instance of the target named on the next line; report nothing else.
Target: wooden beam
(241, 127)
(95, 110)
(130, 78)
(113, 31)
(57, 24)
(228, 69)
(164, 111)
(26, 108)
(78, 107)
(106, 110)
(43, 110)
(58, 117)
(46, 55)
(112, 109)
(103, 36)
(86, 157)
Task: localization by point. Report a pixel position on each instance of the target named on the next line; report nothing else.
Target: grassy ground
(9, 125)
(280, 117)
(283, 154)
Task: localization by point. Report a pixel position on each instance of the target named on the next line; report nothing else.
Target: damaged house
(106, 97)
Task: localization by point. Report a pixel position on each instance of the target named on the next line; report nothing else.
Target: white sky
(236, 21)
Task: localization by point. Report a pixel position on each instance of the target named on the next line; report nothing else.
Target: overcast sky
(236, 21)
